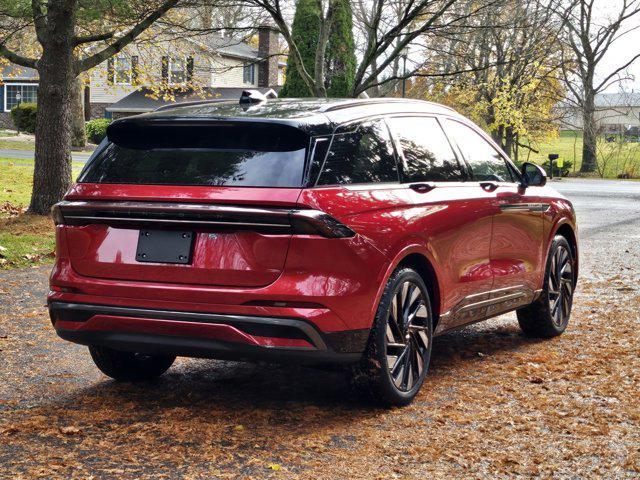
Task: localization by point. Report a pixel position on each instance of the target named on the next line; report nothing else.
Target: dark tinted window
(427, 152)
(363, 156)
(216, 156)
(485, 161)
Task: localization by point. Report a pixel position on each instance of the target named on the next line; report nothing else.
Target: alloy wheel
(407, 337)
(560, 286)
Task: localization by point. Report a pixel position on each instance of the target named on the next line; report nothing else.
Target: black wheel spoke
(418, 360)
(393, 323)
(407, 336)
(406, 372)
(560, 286)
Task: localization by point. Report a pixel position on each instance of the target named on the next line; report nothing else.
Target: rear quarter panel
(444, 226)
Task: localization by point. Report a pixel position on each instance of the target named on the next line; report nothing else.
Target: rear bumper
(205, 335)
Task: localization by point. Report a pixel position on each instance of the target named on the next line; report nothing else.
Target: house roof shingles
(13, 72)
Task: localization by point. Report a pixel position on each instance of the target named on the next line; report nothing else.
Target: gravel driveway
(495, 405)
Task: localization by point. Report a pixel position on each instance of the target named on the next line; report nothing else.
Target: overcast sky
(624, 48)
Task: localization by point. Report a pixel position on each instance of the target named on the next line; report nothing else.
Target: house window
(122, 71)
(177, 71)
(17, 93)
(248, 73)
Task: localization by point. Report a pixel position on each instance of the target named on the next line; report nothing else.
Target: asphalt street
(607, 210)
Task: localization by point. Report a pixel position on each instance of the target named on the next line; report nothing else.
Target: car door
(453, 216)
(516, 257)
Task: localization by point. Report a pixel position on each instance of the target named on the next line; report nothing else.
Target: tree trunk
(590, 134)
(52, 173)
(321, 51)
(497, 135)
(78, 131)
(375, 90)
(509, 142)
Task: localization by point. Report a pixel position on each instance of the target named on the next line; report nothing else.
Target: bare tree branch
(82, 65)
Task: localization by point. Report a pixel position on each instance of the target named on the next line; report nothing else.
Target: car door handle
(422, 187)
(489, 186)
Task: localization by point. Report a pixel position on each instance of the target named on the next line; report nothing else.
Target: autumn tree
(592, 35)
(72, 36)
(505, 73)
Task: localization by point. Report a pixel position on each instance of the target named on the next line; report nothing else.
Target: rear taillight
(200, 216)
(314, 222)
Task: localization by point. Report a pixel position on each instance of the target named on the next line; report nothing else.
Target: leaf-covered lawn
(24, 239)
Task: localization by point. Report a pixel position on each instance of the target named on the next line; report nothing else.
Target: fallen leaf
(70, 430)
(10, 430)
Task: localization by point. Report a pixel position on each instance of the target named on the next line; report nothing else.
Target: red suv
(340, 231)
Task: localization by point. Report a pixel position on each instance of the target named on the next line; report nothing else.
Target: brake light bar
(202, 216)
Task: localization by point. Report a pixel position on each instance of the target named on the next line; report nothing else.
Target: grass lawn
(28, 144)
(17, 145)
(24, 239)
(614, 158)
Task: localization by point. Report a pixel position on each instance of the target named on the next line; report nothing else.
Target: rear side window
(427, 153)
(359, 157)
(206, 155)
(485, 161)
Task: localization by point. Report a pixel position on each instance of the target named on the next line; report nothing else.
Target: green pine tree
(305, 29)
(340, 58)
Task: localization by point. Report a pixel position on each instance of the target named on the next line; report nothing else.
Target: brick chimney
(268, 49)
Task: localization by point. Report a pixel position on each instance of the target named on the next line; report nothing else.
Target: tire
(129, 366)
(549, 315)
(396, 358)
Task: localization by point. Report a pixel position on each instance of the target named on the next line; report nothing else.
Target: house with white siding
(145, 76)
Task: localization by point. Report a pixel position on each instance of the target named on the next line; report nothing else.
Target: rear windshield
(207, 155)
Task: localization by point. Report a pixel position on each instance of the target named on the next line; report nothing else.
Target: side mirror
(533, 175)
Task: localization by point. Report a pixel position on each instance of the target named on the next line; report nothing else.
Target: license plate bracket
(164, 246)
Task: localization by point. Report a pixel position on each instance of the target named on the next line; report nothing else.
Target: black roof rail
(190, 104)
(379, 100)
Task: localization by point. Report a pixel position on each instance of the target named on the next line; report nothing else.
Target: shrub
(97, 129)
(24, 117)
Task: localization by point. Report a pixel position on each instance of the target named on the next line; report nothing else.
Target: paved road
(28, 155)
(609, 207)
(495, 405)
